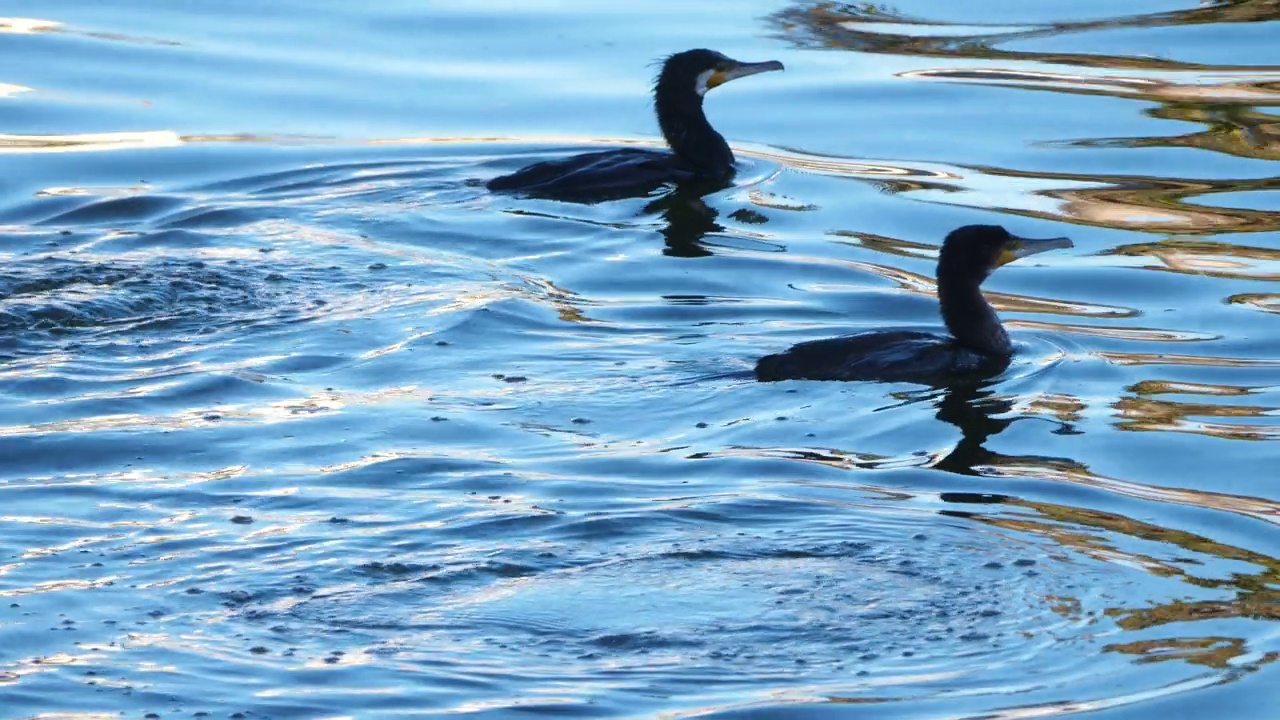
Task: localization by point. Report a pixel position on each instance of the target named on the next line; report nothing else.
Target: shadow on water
(687, 219)
(973, 409)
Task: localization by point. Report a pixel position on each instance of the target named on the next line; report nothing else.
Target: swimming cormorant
(698, 152)
(978, 347)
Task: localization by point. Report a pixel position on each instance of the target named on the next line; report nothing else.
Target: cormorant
(698, 152)
(978, 347)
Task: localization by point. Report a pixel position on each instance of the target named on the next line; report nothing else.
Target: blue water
(297, 420)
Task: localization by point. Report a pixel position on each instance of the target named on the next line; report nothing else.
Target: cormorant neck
(970, 318)
(689, 134)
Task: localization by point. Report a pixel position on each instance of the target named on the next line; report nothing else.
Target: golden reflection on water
(1100, 533)
(887, 245)
(1234, 126)
(1220, 97)
(869, 28)
(1072, 472)
(1060, 406)
(1135, 358)
(1136, 334)
(1238, 87)
(1207, 257)
(1267, 302)
(1147, 204)
(1215, 652)
(1233, 130)
(1256, 594)
(1143, 412)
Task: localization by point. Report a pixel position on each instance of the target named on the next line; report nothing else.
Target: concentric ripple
(852, 594)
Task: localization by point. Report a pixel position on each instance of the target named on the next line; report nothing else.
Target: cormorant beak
(1020, 247)
(736, 70)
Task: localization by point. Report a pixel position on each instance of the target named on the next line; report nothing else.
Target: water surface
(300, 421)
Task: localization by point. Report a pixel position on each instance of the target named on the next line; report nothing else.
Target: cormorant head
(697, 71)
(677, 98)
(971, 253)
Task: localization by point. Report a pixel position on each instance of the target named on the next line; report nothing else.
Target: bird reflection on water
(980, 414)
(688, 219)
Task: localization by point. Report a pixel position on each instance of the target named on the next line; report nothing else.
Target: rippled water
(297, 420)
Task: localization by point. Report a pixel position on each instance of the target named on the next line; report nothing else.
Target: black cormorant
(978, 347)
(698, 152)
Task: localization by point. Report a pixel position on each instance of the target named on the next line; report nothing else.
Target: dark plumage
(698, 152)
(978, 346)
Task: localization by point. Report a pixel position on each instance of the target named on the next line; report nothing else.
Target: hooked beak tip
(1034, 246)
(744, 69)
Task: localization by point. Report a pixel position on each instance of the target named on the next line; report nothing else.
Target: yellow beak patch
(1008, 254)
